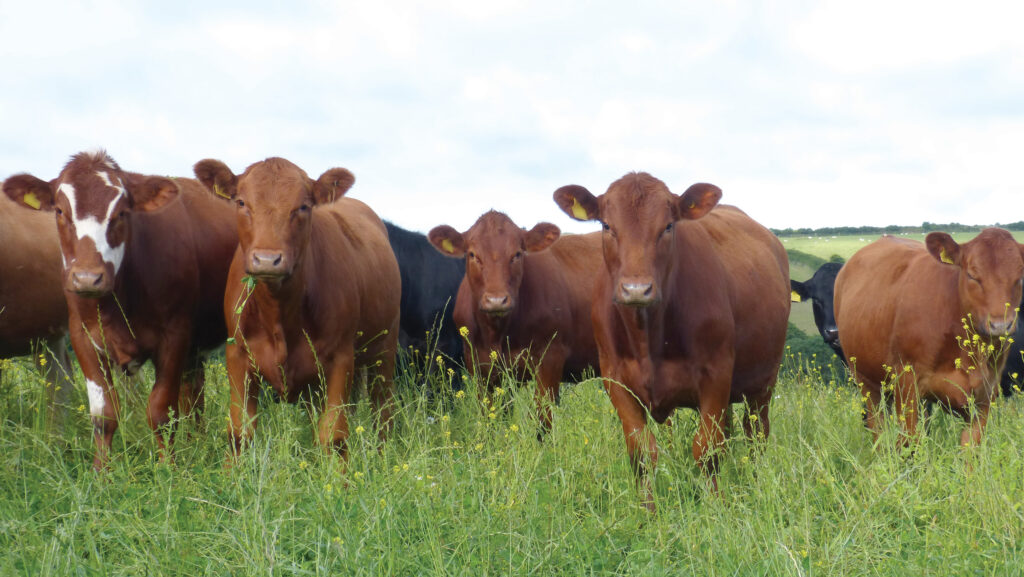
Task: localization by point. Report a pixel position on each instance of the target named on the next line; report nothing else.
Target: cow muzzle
(998, 328)
(497, 305)
(267, 263)
(89, 282)
(636, 293)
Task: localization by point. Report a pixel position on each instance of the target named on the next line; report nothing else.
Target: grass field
(459, 492)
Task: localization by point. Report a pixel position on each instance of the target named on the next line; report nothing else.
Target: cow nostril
(650, 288)
(277, 261)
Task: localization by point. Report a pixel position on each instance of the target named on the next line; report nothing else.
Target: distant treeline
(892, 229)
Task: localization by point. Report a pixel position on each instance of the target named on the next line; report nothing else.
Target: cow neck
(494, 329)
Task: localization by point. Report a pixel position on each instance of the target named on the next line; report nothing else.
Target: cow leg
(908, 404)
(332, 430)
(976, 426)
(192, 398)
(756, 420)
(710, 438)
(242, 383)
(169, 364)
(641, 446)
(382, 384)
(57, 373)
(871, 394)
(104, 406)
(549, 380)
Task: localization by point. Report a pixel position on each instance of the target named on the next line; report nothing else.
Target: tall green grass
(456, 491)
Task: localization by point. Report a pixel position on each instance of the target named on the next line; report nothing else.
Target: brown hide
(691, 311)
(528, 303)
(325, 306)
(902, 304)
(154, 252)
(32, 306)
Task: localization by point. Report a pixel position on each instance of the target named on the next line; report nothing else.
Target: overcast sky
(805, 113)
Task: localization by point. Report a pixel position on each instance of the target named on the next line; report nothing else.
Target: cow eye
(241, 203)
(304, 207)
(59, 211)
(604, 225)
(668, 228)
(517, 256)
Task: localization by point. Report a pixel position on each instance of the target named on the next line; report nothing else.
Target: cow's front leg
(332, 430)
(169, 364)
(104, 406)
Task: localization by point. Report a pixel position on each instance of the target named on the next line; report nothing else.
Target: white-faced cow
(145, 262)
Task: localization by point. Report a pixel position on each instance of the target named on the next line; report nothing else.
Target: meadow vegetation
(458, 490)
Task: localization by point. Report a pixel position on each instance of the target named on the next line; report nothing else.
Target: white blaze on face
(94, 227)
(96, 399)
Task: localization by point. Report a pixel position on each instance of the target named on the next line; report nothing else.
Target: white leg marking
(96, 399)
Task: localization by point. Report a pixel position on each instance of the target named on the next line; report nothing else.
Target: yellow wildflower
(464, 331)
(359, 430)
(460, 394)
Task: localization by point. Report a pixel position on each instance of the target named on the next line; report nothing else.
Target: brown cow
(325, 303)
(525, 303)
(691, 312)
(908, 313)
(145, 262)
(32, 306)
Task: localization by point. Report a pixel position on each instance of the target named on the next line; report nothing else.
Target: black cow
(429, 285)
(819, 289)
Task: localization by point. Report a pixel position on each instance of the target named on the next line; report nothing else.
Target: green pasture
(461, 491)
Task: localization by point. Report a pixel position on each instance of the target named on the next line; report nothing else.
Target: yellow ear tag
(693, 205)
(32, 200)
(945, 257)
(447, 245)
(219, 191)
(795, 297)
(578, 211)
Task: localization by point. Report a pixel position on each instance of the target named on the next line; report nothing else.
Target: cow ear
(577, 202)
(332, 185)
(943, 248)
(798, 291)
(541, 236)
(29, 192)
(217, 178)
(697, 201)
(447, 241)
(151, 193)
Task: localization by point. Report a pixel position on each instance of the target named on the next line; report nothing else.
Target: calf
(32, 306)
(145, 261)
(819, 290)
(429, 285)
(324, 302)
(526, 298)
(924, 316)
(690, 311)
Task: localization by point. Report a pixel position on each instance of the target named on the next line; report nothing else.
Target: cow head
(494, 249)
(989, 268)
(638, 213)
(93, 200)
(275, 201)
(820, 290)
